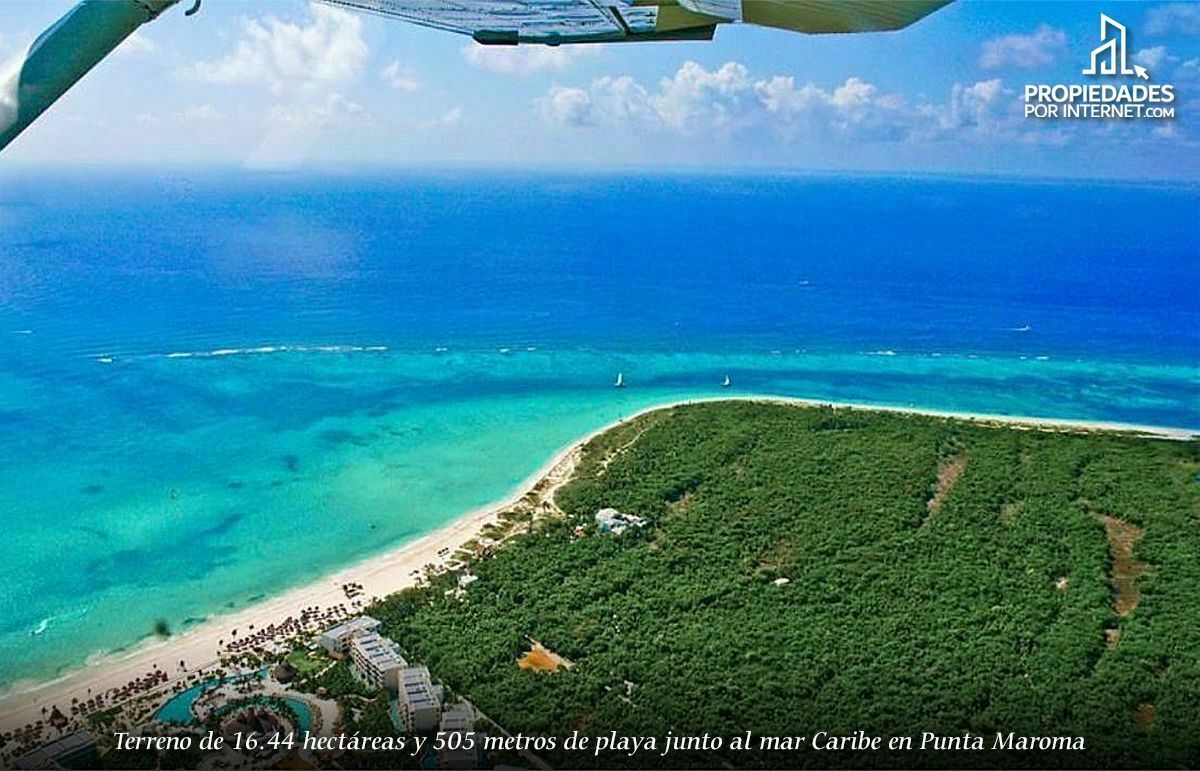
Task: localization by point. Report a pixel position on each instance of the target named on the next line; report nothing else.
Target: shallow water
(214, 388)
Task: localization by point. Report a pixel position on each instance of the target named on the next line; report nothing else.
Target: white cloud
(1166, 66)
(334, 111)
(728, 101)
(692, 100)
(451, 118)
(612, 100)
(328, 49)
(567, 106)
(1170, 18)
(623, 99)
(401, 77)
(696, 97)
(306, 66)
(296, 131)
(1038, 48)
(136, 44)
(986, 106)
(855, 108)
(526, 59)
(1152, 57)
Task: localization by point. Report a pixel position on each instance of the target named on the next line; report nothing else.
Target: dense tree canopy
(943, 575)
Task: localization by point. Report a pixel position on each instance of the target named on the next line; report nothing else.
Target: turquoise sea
(217, 386)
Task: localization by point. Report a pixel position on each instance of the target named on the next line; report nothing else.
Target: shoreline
(392, 569)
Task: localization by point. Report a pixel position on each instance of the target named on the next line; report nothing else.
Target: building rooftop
(353, 626)
(459, 717)
(417, 687)
(613, 521)
(49, 755)
(377, 650)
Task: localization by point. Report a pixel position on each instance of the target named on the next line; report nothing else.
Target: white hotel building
(376, 660)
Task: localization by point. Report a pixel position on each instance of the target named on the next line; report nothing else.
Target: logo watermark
(1121, 101)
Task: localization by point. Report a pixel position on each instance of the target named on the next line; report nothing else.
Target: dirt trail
(948, 473)
(1122, 537)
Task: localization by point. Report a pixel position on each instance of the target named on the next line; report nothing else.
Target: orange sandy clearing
(541, 659)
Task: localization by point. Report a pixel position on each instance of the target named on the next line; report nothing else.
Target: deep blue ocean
(216, 386)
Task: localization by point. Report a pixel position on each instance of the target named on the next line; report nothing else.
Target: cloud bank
(729, 102)
(285, 55)
(525, 60)
(1037, 49)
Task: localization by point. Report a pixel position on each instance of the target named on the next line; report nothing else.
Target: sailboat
(620, 380)
(727, 382)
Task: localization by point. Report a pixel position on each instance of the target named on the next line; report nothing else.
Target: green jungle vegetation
(943, 575)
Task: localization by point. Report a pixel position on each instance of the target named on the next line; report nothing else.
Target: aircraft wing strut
(94, 28)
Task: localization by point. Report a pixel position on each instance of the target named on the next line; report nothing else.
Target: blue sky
(284, 84)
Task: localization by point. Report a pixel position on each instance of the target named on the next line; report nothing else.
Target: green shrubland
(942, 575)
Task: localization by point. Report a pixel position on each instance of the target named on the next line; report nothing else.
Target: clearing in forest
(948, 473)
(1009, 511)
(1122, 537)
(1145, 715)
(542, 659)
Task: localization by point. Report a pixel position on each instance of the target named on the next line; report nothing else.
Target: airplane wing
(92, 29)
(550, 22)
(556, 22)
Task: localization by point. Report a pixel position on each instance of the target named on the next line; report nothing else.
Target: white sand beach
(200, 647)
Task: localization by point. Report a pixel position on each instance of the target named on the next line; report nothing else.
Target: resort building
(337, 639)
(75, 750)
(422, 700)
(376, 660)
(613, 521)
(458, 749)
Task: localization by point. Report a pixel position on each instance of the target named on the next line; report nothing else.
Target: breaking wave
(260, 350)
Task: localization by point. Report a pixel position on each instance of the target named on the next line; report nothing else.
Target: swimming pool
(304, 716)
(178, 708)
